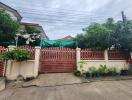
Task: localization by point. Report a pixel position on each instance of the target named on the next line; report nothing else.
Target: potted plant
(93, 71)
(103, 70)
(77, 73)
(124, 72)
(88, 74)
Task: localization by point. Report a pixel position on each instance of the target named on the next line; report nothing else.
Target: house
(12, 12)
(67, 38)
(36, 26)
(16, 16)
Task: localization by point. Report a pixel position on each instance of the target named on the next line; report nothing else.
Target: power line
(60, 12)
(54, 9)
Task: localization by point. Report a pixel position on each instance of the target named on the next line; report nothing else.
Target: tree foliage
(8, 27)
(102, 36)
(16, 54)
(95, 36)
(31, 30)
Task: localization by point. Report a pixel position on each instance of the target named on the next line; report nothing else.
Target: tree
(81, 42)
(96, 36)
(124, 34)
(109, 34)
(121, 35)
(8, 27)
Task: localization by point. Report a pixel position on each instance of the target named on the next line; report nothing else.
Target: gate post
(106, 57)
(8, 68)
(36, 62)
(78, 56)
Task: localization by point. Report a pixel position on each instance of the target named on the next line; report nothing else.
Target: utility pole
(123, 16)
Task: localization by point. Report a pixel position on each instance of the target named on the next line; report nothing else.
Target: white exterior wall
(118, 64)
(93, 63)
(27, 68)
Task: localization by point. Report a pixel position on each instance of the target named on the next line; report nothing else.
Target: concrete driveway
(54, 79)
(103, 90)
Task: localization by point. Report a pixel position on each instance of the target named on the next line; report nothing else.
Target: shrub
(103, 70)
(17, 54)
(81, 65)
(112, 71)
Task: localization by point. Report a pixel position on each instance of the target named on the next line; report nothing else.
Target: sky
(61, 18)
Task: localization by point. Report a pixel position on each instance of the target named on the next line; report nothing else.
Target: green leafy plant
(103, 70)
(16, 54)
(81, 65)
(8, 27)
(112, 71)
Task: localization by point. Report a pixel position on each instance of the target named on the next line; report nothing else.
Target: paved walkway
(103, 90)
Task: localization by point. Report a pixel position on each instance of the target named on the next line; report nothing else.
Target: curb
(84, 81)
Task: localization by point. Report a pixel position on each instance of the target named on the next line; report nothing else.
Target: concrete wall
(30, 68)
(26, 69)
(118, 64)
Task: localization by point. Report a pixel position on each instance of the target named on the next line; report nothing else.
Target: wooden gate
(53, 60)
(2, 50)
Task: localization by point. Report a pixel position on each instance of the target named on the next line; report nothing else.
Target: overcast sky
(60, 18)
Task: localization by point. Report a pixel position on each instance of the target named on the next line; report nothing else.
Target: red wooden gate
(54, 60)
(2, 50)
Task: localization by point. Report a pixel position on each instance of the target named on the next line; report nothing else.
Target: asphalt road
(104, 90)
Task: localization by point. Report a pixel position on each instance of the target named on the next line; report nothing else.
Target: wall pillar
(106, 57)
(11, 47)
(130, 65)
(9, 63)
(78, 57)
(37, 60)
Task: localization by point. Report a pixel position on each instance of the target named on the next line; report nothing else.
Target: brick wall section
(87, 54)
(2, 50)
(1, 68)
(118, 55)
